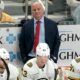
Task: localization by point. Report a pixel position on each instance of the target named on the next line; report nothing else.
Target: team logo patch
(30, 64)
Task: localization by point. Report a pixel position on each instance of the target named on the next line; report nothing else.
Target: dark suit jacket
(52, 38)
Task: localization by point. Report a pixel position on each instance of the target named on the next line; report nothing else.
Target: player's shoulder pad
(29, 68)
(52, 63)
(77, 59)
(73, 62)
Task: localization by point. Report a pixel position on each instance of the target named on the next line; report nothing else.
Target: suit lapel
(45, 28)
(32, 29)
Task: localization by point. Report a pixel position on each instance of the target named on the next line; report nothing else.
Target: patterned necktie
(36, 39)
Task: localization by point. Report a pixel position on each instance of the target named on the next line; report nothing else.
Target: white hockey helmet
(4, 53)
(1, 5)
(43, 49)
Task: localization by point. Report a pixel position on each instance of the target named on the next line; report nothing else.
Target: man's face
(42, 60)
(37, 10)
(2, 66)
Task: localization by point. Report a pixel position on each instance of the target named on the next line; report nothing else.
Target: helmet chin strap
(7, 69)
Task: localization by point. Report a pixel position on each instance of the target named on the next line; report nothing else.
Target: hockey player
(7, 70)
(74, 74)
(41, 67)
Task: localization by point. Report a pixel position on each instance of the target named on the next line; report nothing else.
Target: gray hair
(39, 1)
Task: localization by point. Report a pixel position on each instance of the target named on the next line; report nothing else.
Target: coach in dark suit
(48, 33)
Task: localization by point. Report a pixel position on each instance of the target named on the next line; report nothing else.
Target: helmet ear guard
(4, 54)
(43, 50)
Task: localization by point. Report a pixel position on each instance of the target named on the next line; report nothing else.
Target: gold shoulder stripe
(30, 64)
(77, 59)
